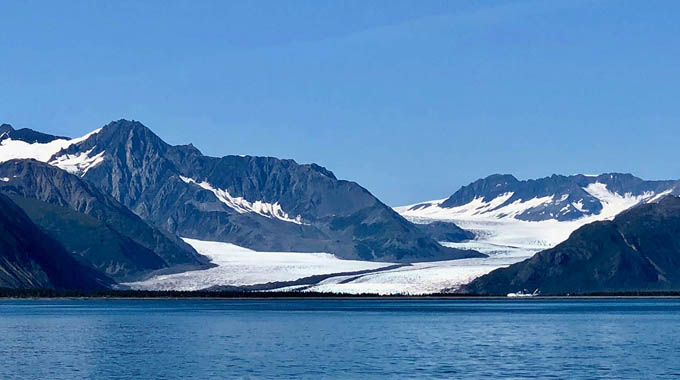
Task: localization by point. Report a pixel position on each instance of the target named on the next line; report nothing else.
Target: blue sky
(411, 99)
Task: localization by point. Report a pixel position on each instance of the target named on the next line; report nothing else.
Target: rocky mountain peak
(488, 188)
(4, 128)
(26, 134)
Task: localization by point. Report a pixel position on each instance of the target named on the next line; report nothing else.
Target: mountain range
(118, 198)
(116, 204)
(558, 197)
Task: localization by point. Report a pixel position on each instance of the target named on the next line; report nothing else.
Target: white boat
(523, 293)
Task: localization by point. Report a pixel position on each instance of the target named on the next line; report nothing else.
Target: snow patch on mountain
(577, 205)
(13, 149)
(78, 164)
(614, 203)
(241, 205)
(662, 194)
(17, 149)
(477, 208)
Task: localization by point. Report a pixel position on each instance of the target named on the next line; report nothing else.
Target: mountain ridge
(574, 202)
(27, 135)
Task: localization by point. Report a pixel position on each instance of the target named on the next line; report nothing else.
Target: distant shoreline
(15, 294)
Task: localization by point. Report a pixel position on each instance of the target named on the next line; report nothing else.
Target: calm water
(340, 338)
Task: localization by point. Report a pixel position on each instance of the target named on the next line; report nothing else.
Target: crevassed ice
(242, 205)
(415, 279)
(238, 266)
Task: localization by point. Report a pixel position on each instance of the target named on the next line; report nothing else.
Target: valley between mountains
(123, 209)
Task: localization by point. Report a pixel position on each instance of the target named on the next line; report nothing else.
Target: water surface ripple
(346, 338)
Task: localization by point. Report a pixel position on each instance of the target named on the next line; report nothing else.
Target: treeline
(60, 293)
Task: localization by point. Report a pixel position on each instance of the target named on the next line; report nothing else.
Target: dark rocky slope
(29, 258)
(446, 231)
(93, 226)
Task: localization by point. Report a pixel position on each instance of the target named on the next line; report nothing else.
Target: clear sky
(412, 99)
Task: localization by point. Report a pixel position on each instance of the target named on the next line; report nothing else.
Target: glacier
(238, 266)
(500, 235)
